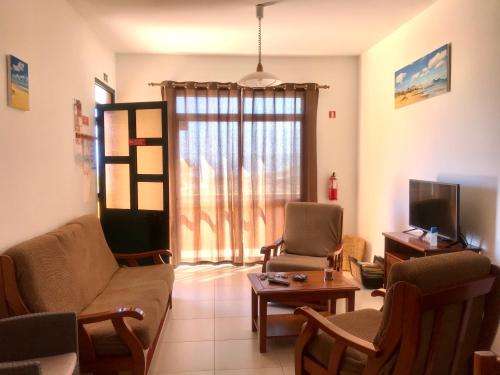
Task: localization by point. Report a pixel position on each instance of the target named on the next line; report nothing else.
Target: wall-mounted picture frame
(424, 78)
(18, 93)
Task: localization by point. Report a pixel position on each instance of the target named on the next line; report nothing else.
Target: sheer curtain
(236, 157)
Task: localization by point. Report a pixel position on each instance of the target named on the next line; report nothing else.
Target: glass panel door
(133, 175)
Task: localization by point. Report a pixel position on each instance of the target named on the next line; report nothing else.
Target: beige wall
(337, 139)
(40, 186)
(453, 137)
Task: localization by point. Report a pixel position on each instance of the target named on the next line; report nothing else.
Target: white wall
(452, 137)
(337, 138)
(40, 185)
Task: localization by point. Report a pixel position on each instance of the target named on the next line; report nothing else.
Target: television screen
(435, 204)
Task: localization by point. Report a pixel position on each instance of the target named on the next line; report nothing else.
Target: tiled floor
(208, 331)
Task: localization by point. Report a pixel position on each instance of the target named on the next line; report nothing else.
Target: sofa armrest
(119, 313)
(37, 335)
(123, 330)
(132, 258)
(20, 368)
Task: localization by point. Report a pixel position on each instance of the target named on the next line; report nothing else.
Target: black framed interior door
(133, 175)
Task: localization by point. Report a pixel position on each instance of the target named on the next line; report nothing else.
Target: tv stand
(402, 246)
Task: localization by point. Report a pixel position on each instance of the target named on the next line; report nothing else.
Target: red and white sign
(332, 114)
(137, 142)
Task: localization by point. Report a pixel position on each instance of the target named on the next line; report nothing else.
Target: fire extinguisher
(332, 187)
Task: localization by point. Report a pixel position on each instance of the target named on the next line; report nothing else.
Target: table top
(315, 282)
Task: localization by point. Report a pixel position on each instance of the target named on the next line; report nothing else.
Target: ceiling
(289, 27)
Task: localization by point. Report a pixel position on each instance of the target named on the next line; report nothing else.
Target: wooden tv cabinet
(400, 246)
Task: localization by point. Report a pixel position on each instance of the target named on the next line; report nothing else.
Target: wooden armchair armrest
(266, 250)
(132, 258)
(338, 333)
(335, 257)
(379, 292)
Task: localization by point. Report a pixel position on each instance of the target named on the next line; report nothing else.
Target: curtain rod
(227, 85)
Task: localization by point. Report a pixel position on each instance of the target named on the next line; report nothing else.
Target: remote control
(278, 281)
(300, 277)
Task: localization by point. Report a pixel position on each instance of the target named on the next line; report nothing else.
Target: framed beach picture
(17, 83)
(422, 79)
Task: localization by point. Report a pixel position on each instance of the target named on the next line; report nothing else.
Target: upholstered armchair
(438, 310)
(312, 239)
(35, 344)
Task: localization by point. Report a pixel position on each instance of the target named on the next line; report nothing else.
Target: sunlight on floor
(208, 331)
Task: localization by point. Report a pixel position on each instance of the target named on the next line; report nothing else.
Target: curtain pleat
(236, 157)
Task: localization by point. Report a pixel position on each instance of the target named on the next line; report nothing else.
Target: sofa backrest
(65, 269)
(312, 229)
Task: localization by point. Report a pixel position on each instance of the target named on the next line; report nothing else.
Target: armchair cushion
(312, 229)
(291, 262)
(362, 323)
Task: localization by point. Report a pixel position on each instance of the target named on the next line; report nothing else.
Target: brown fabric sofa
(120, 309)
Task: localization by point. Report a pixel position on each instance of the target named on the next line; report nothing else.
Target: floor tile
(189, 330)
(185, 373)
(192, 309)
(193, 291)
(233, 308)
(242, 354)
(284, 348)
(288, 370)
(234, 328)
(184, 357)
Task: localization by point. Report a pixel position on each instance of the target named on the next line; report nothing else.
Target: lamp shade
(259, 80)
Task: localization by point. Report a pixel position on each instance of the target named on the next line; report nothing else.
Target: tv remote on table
(274, 280)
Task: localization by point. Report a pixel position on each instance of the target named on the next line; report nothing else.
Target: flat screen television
(435, 204)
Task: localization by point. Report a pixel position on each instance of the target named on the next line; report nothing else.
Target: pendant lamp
(260, 78)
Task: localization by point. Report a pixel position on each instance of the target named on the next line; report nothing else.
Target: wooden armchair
(312, 239)
(438, 310)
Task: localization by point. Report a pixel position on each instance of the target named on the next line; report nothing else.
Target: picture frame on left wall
(18, 93)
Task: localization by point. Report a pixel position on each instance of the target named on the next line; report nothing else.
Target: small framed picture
(18, 93)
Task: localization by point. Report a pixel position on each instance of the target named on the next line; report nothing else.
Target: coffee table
(314, 289)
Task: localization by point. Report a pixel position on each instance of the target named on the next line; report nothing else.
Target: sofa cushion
(150, 296)
(64, 270)
(135, 276)
(291, 262)
(312, 229)
(362, 323)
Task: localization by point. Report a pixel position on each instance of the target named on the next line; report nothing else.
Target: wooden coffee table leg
(262, 324)
(350, 301)
(254, 311)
